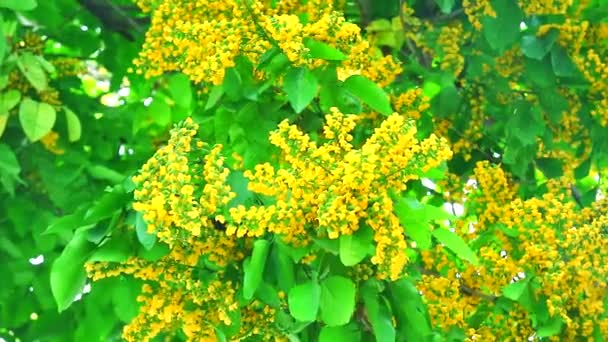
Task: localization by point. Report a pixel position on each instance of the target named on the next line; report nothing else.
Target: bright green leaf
(346, 333)
(369, 93)
(8, 100)
(515, 290)
(181, 90)
(456, 244)
(378, 314)
(304, 300)
(254, 267)
(67, 272)
(355, 247)
(147, 239)
(301, 87)
(551, 328)
(445, 5)
(19, 5)
(337, 300)
(74, 126)
(33, 71)
(317, 49)
(37, 118)
(160, 111)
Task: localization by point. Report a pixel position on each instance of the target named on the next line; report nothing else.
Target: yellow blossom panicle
(544, 241)
(323, 190)
(203, 38)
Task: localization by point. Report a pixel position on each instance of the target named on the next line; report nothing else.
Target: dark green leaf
(9, 168)
(501, 32)
(538, 47)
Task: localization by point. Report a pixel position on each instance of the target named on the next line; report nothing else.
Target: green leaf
(3, 121)
(99, 171)
(337, 300)
(214, 96)
(74, 126)
(301, 87)
(369, 93)
(378, 314)
(562, 63)
(304, 301)
(551, 328)
(412, 316)
(19, 5)
(160, 111)
(456, 244)
(447, 102)
(9, 169)
(538, 47)
(525, 123)
(539, 73)
(67, 272)
(515, 290)
(254, 268)
(501, 32)
(181, 90)
(117, 249)
(107, 205)
(284, 266)
(148, 240)
(3, 49)
(346, 333)
(33, 71)
(445, 5)
(551, 167)
(317, 49)
(355, 247)
(8, 100)
(37, 118)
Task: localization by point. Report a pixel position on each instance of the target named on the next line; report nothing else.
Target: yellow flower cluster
(49, 142)
(544, 240)
(324, 191)
(411, 103)
(476, 9)
(545, 7)
(450, 39)
(202, 38)
(182, 190)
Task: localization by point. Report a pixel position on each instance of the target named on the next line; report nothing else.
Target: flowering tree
(398, 170)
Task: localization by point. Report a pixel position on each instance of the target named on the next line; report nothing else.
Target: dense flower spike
(324, 191)
(203, 38)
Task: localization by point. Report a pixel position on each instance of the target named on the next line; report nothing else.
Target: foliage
(395, 170)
